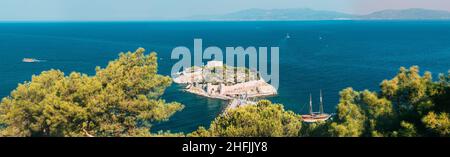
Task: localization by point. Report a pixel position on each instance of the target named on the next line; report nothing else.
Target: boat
(188, 86)
(288, 36)
(30, 60)
(314, 117)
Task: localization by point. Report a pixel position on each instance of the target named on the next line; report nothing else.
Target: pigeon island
(219, 81)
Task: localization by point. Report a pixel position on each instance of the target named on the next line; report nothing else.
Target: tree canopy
(119, 100)
(407, 105)
(124, 99)
(261, 120)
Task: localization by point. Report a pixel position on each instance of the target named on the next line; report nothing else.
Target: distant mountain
(278, 14)
(309, 14)
(414, 13)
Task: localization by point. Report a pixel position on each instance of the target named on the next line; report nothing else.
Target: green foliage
(407, 130)
(441, 93)
(405, 106)
(201, 132)
(350, 119)
(120, 100)
(167, 134)
(319, 129)
(409, 91)
(262, 120)
(439, 124)
(123, 99)
(380, 114)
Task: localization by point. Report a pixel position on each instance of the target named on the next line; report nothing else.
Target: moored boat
(313, 117)
(288, 36)
(29, 60)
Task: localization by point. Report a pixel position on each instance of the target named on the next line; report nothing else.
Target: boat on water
(313, 117)
(288, 36)
(30, 60)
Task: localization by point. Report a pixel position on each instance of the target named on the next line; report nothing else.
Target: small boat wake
(32, 60)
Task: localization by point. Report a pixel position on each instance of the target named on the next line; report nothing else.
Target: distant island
(310, 14)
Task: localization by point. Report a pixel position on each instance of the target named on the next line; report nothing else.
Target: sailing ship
(313, 117)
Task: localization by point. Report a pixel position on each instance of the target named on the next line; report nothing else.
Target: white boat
(288, 36)
(30, 60)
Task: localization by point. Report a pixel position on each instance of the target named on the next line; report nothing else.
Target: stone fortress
(217, 80)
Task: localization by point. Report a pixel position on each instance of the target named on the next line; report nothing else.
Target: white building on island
(214, 64)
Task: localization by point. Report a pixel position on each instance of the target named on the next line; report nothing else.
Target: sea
(314, 55)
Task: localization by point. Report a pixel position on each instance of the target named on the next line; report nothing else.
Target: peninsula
(219, 81)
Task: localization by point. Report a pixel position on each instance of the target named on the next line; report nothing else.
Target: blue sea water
(327, 55)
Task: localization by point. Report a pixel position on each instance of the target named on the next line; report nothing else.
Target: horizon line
(218, 20)
(206, 19)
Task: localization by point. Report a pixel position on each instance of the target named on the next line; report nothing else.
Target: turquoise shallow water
(327, 55)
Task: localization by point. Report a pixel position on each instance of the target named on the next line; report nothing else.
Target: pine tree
(261, 120)
(119, 100)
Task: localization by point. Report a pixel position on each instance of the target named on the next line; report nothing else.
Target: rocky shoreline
(218, 81)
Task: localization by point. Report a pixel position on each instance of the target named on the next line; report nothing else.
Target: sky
(79, 10)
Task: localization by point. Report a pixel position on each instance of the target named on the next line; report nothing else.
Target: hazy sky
(163, 9)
